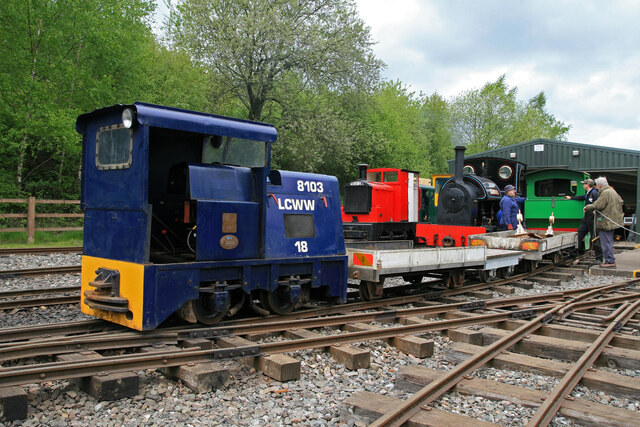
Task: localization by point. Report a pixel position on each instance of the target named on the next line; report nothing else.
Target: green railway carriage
(546, 191)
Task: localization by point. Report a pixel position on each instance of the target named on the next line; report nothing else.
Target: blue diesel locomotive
(184, 215)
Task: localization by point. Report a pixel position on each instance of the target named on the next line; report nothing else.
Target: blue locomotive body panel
(303, 215)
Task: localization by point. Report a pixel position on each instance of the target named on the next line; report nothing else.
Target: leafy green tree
(320, 130)
(64, 58)
(535, 122)
(252, 46)
(492, 116)
(397, 119)
(436, 117)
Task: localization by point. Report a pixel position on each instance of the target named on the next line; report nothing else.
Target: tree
(535, 122)
(64, 58)
(403, 138)
(437, 121)
(251, 46)
(491, 117)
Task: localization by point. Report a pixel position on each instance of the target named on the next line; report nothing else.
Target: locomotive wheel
(370, 291)
(202, 310)
(276, 301)
(487, 276)
(505, 272)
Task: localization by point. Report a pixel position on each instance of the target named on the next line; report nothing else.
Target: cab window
(391, 176)
(113, 147)
(374, 177)
(555, 187)
(234, 151)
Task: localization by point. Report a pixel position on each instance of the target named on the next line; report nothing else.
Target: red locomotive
(382, 205)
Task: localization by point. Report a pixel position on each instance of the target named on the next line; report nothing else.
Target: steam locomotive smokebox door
(228, 212)
(456, 203)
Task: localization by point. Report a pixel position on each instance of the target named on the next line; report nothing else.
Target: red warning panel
(363, 259)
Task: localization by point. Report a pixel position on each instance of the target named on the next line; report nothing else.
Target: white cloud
(582, 53)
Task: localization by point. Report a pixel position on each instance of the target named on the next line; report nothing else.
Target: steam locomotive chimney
(363, 171)
(459, 165)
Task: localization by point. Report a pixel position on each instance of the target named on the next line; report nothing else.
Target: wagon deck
(534, 246)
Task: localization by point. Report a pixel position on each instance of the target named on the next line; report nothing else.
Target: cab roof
(186, 120)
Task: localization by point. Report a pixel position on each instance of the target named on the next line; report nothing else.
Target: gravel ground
(250, 398)
(19, 262)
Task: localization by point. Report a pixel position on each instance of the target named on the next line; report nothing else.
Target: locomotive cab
(183, 214)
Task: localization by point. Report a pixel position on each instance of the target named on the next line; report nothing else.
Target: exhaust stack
(459, 164)
(362, 167)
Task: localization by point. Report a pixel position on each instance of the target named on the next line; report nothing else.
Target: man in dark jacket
(586, 225)
(509, 207)
(609, 216)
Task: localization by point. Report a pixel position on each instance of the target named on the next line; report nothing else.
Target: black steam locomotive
(472, 196)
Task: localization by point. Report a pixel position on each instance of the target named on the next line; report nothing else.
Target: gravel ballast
(252, 399)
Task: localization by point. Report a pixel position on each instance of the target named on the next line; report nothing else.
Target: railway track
(518, 320)
(69, 269)
(64, 339)
(71, 350)
(22, 251)
(547, 410)
(24, 298)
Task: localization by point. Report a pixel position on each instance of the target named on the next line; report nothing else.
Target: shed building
(621, 167)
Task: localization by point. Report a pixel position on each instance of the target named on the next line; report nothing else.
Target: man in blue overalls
(509, 207)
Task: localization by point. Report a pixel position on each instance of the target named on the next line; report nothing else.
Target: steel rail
(407, 409)
(21, 251)
(38, 291)
(11, 299)
(17, 375)
(21, 333)
(597, 303)
(71, 345)
(51, 345)
(60, 370)
(548, 409)
(37, 302)
(41, 271)
(595, 318)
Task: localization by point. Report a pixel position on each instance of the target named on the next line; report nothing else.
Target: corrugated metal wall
(560, 154)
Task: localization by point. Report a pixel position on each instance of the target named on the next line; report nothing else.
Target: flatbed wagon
(373, 262)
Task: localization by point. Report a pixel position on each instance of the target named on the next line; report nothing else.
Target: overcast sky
(584, 55)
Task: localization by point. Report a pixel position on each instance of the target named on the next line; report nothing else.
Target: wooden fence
(31, 216)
